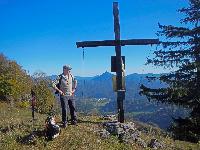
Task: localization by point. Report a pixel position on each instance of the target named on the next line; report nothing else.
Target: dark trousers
(68, 101)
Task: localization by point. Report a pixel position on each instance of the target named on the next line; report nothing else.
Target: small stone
(98, 141)
(155, 144)
(141, 142)
(104, 134)
(136, 135)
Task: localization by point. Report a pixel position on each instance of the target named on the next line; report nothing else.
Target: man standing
(66, 85)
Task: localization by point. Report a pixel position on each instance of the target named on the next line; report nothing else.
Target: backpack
(58, 85)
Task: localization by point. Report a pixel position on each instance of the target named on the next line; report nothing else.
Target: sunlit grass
(16, 123)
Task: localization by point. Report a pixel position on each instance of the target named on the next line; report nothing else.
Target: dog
(52, 130)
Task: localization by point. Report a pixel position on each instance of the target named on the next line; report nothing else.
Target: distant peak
(106, 73)
(104, 76)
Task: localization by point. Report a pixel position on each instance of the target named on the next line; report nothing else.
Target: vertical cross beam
(120, 91)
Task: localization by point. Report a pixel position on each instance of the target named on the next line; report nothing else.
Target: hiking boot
(64, 124)
(74, 122)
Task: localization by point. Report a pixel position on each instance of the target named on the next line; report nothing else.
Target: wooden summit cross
(118, 59)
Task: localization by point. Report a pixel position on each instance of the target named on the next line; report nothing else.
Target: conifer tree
(180, 51)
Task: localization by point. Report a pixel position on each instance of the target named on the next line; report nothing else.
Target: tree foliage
(180, 51)
(44, 96)
(14, 82)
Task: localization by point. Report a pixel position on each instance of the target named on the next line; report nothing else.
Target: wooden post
(33, 101)
(120, 91)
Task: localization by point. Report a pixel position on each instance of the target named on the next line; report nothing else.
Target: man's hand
(61, 92)
(73, 91)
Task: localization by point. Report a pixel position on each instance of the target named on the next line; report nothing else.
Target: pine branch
(192, 12)
(173, 32)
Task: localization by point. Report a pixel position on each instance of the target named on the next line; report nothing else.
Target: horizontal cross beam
(117, 42)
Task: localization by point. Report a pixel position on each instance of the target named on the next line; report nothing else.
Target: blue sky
(41, 34)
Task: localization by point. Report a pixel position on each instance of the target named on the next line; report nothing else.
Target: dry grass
(15, 123)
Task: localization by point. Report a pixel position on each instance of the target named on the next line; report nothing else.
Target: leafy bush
(44, 96)
(23, 104)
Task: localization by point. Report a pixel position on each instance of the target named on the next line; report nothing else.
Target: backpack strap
(58, 84)
(60, 78)
(72, 77)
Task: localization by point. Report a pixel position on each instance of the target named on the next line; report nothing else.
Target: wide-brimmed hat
(68, 67)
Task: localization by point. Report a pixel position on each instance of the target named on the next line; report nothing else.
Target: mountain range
(135, 105)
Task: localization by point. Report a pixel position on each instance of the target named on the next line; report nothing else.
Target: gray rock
(108, 124)
(119, 130)
(135, 135)
(126, 132)
(141, 142)
(155, 144)
(104, 134)
(125, 138)
(113, 127)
